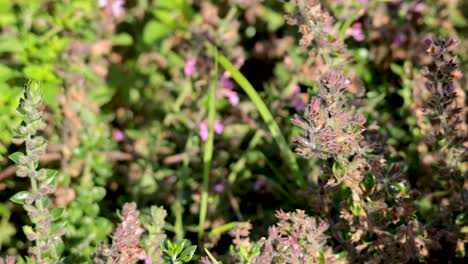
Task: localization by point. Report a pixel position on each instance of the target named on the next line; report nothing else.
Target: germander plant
(46, 232)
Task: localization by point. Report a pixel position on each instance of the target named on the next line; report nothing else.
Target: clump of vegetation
(198, 106)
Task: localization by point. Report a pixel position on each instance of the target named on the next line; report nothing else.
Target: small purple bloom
(399, 39)
(189, 67)
(228, 84)
(295, 98)
(219, 187)
(259, 184)
(118, 135)
(298, 103)
(356, 32)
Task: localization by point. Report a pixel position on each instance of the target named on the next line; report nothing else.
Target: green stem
(208, 153)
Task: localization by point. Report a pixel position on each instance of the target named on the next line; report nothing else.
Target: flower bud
(22, 171)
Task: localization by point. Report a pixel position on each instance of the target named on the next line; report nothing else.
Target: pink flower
(356, 32)
(118, 135)
(227, 91)
(203, 131)
(189, 67)
(227, 83)
(233, 98)
(218, 127)
(112, 7)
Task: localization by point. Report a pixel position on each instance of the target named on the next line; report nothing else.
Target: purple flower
(118, 135)
(356, 32)
(298, 103)
(296, 99)
(399, 39)
(219, 187)
(227, 91)
(203, 131)
(259, 184)
(227, 83)
(189, 67)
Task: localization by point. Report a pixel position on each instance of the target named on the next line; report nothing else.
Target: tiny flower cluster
(441, 76)
(332, 129)
(126, 241)
(296, 238)
(315, 25)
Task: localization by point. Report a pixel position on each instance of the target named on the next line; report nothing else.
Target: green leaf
(255, 250)
(243, 252)
(222, 229)
(122, 39)
(187, 254)
(28, 231)
(397, 69)
(179, 246)
(155, 31)
(338, 170)
(57, 213)
(20, 197)
(342, 255)
(15, 157)
(98, 193)
(50, 177)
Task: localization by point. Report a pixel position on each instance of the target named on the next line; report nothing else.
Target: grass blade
(266, 115)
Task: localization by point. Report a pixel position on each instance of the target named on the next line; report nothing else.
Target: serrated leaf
(20, 197)
(57, 213)
(15, 157)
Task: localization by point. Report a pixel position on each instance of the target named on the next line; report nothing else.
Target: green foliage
(177, 253)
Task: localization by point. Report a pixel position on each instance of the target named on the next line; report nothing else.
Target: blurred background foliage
(124, 115)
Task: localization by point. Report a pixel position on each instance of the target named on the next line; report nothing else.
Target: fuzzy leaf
(57, 213)
(50, 178)
(20, 197)
(15, 157)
